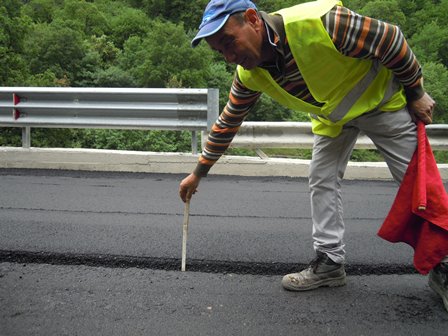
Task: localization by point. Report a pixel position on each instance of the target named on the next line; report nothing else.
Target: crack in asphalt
(136, 213)
(193, 265)
(148, 213)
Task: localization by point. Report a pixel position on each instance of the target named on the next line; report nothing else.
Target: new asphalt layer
(95, 253)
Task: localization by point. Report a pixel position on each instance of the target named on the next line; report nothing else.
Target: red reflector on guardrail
(16, 101)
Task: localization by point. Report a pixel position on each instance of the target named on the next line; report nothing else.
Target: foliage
(437, 84)
(155, 141)
(267, 109)
(163, 52)
(41, 137)
(431, 43)
(129, 22)
(13, 29)
(187, 12)
(40, 11)
(270, 6)
(10, 136)
(421, 12)
(219, 78)
(57, 46)
(385, 10)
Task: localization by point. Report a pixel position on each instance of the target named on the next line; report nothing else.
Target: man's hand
(422, 109)
(188, 187)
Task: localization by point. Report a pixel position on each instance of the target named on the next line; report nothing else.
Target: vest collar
(276, 37)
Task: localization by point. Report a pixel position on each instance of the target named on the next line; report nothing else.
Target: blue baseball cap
(216, 15)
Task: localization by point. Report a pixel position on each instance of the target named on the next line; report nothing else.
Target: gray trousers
(395, 136)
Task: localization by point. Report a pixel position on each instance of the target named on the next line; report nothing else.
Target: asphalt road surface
(84, 253)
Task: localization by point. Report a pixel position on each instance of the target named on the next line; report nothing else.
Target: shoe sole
(436, 288)
(333, 282)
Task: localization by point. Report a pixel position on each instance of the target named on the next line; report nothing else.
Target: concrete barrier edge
(175, 163)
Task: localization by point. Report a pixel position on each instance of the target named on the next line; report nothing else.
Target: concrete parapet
(175, 163)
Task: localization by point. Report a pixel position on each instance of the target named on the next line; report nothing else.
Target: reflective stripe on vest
(349, 100)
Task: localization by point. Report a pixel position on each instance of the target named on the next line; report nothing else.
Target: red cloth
(419, 214)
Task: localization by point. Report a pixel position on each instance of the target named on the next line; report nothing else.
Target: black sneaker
(321, 272)
(438, 281)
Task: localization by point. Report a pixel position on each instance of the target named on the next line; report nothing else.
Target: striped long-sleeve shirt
(353, 35)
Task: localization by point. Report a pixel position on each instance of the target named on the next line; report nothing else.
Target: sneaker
(438, 281)
(321, 272)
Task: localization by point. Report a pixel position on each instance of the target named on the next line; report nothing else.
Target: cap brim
(209, 29)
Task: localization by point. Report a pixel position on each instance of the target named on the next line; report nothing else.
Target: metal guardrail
(165, 109)
(257, 135)
(114, 108)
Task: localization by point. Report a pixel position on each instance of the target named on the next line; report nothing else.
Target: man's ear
(251, 17)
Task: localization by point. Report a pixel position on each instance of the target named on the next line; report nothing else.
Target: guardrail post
(204, 136)
(194, 142)
(212, 107)
(26, 137)
(212, 113)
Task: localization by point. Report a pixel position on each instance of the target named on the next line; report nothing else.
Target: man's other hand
(422, 109)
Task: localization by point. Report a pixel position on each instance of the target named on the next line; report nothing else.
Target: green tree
(165, 52)
(385, 10)
(179, 11)
(41, 11)
(10, 137)
(46, 78)
(436, 83)
(273, 5)
(155, 141)
(90, 65)
(56, 46)
(426, 11)
(105, 48)
(101, 54)
(430, 44)
(221, 79)
(129, 22)
(13, 29)
(85, 15)
(266, 109)
(114, 76)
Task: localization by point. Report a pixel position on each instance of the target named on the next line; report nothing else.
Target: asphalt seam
(127, 213)
(193, 265)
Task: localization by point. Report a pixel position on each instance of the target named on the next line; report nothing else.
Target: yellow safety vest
(347, 87)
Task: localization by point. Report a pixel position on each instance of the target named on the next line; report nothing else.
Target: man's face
(240, 42)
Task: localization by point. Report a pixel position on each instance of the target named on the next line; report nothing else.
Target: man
(350, 73)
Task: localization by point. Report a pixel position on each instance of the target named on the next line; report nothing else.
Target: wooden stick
(185, 234)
